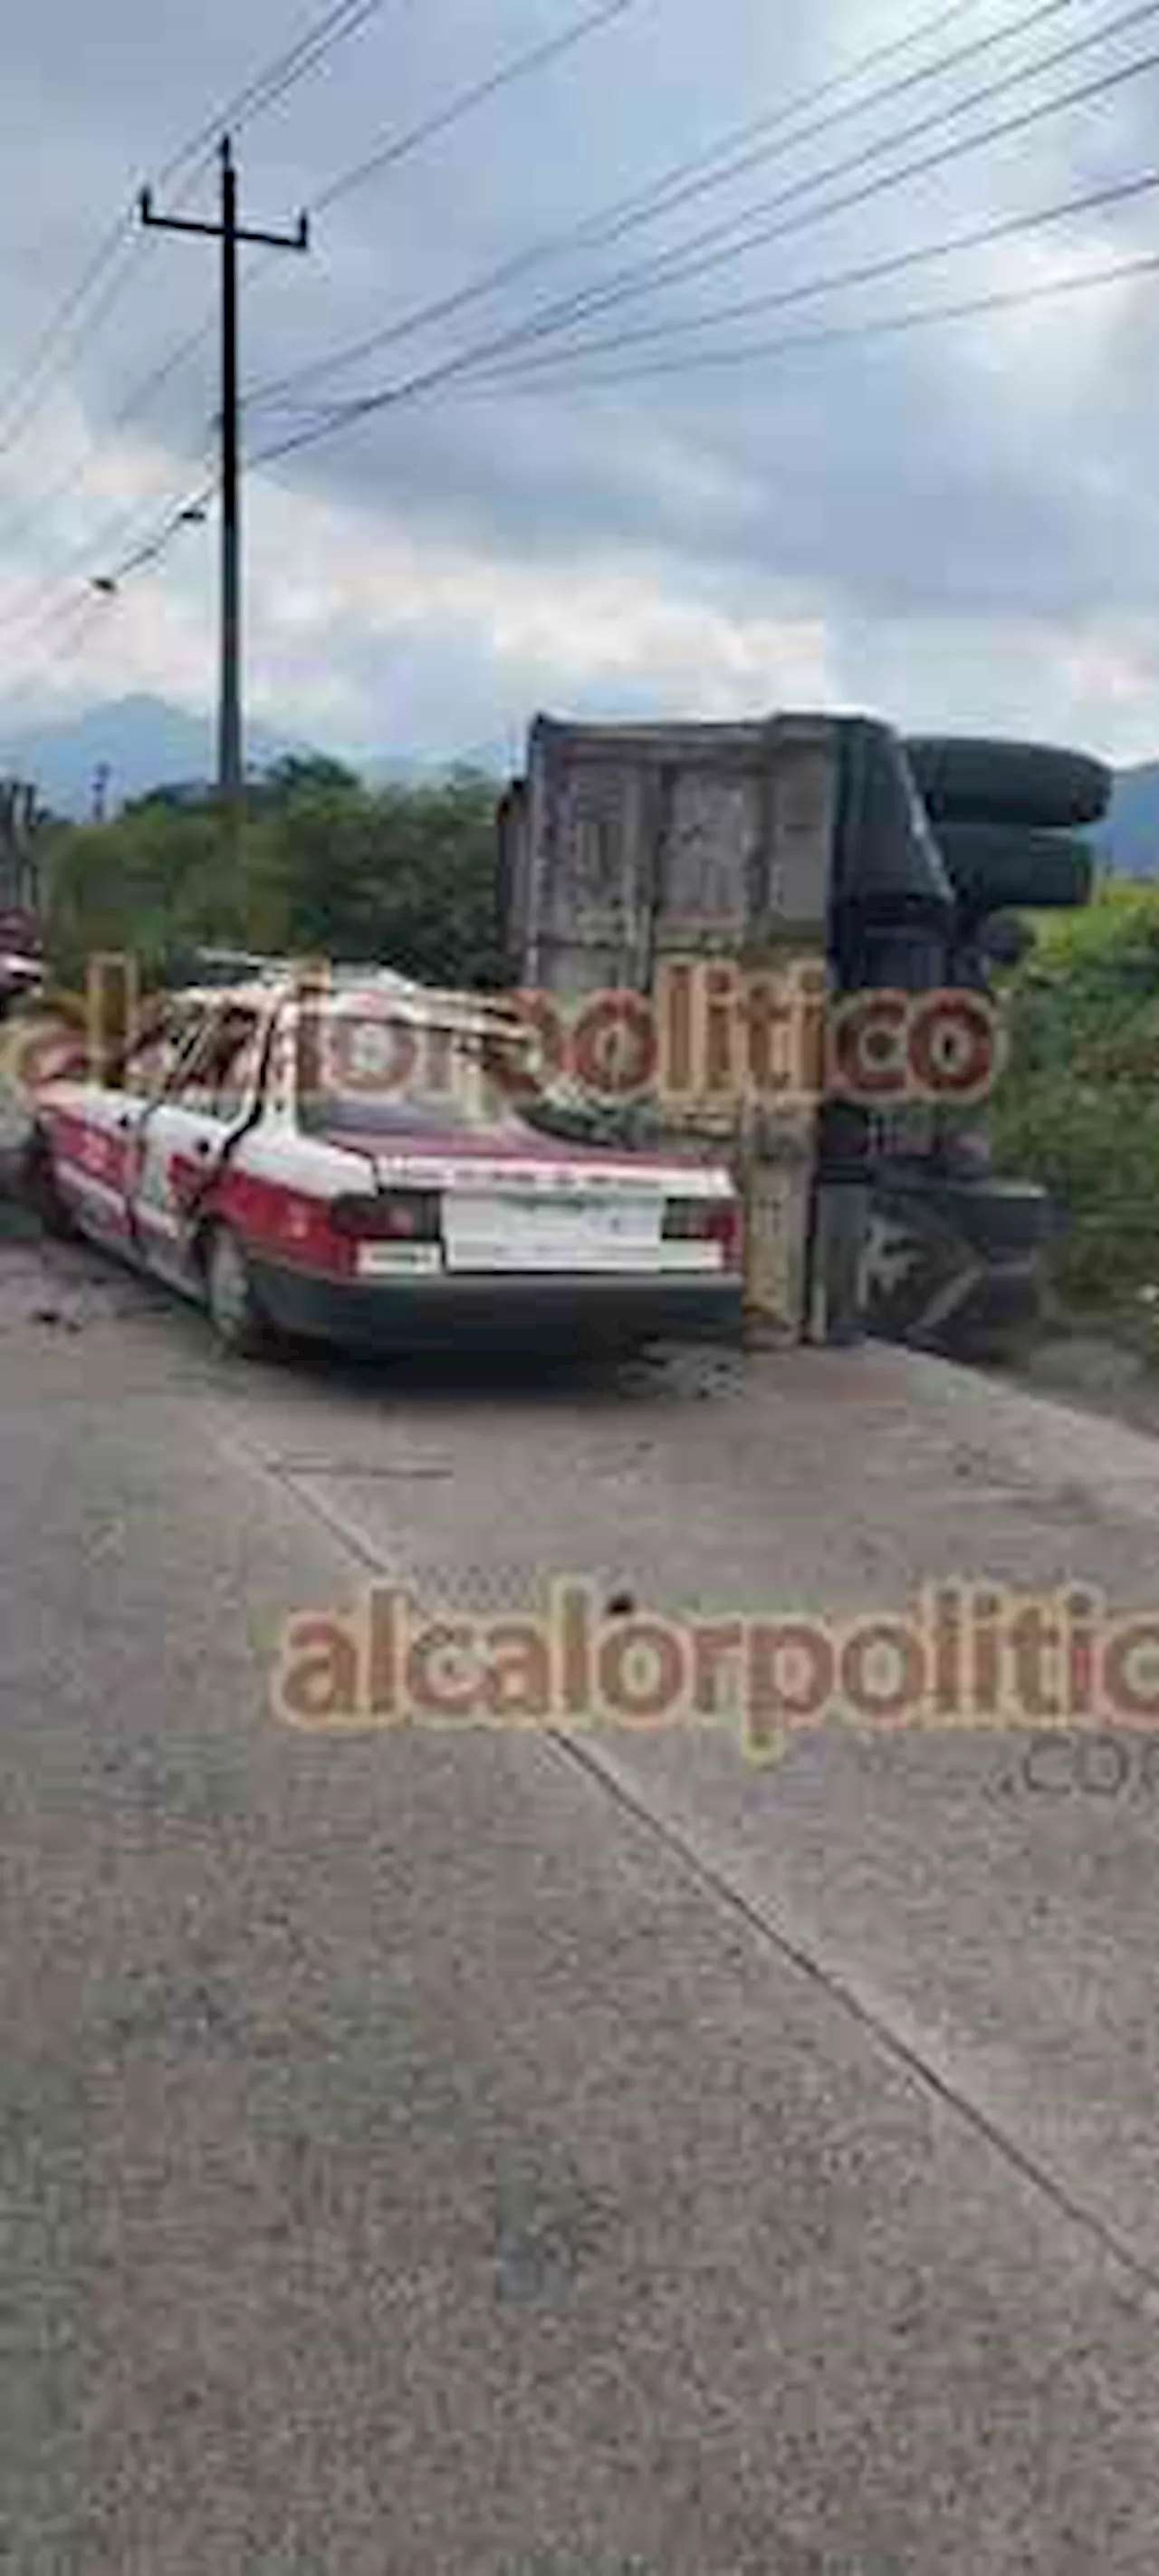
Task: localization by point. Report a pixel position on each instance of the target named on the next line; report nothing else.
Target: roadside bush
(1078, 1108)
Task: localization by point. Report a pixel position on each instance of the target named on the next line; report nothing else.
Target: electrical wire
(76, 319)
(1119, 192)
(339, 23)
(518, 67)
(14, 526)
(342, 415)
(59, 341)
(150, 549)
(343, 20)
(361, 407)
(879, 326)
(789, 344)
(737, 164)
(712, 248)
(34, 360)
(669, 194)
(56, 350)
(746, 353)
(129, 540)
(640, 206)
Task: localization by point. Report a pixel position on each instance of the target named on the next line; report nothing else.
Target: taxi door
(188, 1132)
(93, 1128)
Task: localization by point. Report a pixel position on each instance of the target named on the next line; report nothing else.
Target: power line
(32, 363)
(715, 161)
(130, 543)
(72, 324)
(338, 23)
(519, 67)
(881, 325)
(58, 347)
(150, 549)
(872, 327)
(668, 194)
(747, 353)
(736, 164)
(712, 248)
(343, 415)
(142, 394)
(640, 206)
(341, 21)
(1119, 192)
(362, 407)
(16, 524)
(399, 147)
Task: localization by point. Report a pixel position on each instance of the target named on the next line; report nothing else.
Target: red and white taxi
(353, 1163)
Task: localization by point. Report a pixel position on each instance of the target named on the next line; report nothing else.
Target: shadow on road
(511, 1376)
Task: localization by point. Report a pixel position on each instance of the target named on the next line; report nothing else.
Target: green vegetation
(1078, 1108)
(396, 876)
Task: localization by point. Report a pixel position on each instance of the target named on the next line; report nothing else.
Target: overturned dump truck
(810, 911)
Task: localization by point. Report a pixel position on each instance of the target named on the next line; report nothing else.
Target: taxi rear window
(393, 1074)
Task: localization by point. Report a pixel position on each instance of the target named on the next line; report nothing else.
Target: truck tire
(955, 1267)
(962, 780)
(995, 870)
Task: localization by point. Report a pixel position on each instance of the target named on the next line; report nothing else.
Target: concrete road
(530, 2155)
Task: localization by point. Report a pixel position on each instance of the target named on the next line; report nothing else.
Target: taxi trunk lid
(563, 1211)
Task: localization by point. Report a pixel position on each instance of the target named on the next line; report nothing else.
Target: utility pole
(19, 863)
(228, 231)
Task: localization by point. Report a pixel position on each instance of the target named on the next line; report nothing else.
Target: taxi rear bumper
(513, 1310)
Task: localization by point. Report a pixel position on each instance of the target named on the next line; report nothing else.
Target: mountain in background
(1130, 835)
(144, 742)
(148, 743)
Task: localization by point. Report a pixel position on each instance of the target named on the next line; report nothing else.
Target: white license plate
(522, 1234)
(398, 1260)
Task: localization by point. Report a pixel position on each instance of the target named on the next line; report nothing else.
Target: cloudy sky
(954, 526)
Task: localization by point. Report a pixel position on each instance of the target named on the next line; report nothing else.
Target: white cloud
(560, 627)
(956, 527)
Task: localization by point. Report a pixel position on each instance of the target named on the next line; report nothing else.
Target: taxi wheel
(235, 1311)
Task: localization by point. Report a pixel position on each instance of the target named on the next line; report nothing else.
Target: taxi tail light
(705, 1221)
(389, 1216)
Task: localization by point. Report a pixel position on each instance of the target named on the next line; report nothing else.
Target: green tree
(1078, 1108)
(397, 876)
